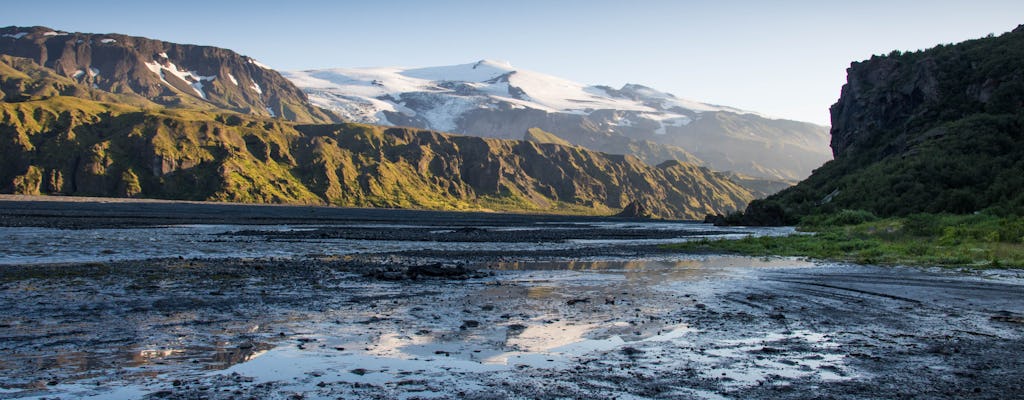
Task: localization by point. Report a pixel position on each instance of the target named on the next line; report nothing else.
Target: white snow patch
(108, 41)
(163, 54)
(444, 117)
(16, 36)
(52, 33)
(192, 78)
(259, 64)
(271, 111)
(198, 87)
(255, 86)
(477, 72)
(155, 68)
(94, 72)
(78, 74)
(233, 80)
(661, 129)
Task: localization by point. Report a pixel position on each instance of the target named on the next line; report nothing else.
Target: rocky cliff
(164, 73)
(937, 130)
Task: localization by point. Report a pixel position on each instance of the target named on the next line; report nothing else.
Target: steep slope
(75, 146)
(22, 79)
(169, 74)
(538, 135)
(494, 99)
(938, 130)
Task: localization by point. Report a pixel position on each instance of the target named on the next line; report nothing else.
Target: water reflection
(648, 270)
(540, 313)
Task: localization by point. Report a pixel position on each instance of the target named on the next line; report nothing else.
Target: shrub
(841, 218)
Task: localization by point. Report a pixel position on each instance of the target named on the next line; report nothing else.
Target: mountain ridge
(495, 99)
(164, 73)
(60, 136)
(116, 115)
(81, 147)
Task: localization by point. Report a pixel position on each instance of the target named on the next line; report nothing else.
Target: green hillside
(73, 146)
(933, 131)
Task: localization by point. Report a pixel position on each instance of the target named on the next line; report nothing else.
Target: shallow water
(33, 245)
(633, 326)
(448, 337)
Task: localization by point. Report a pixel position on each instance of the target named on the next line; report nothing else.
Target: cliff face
(165, 73)
(880, 95)
(73, 146)
(890, 100)
(938, 130)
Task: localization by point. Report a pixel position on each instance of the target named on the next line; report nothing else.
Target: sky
(785, 59)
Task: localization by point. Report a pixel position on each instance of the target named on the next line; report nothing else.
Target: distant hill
(936, 131)
(495, 99)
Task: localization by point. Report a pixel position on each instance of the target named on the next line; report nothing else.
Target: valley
(183, 221)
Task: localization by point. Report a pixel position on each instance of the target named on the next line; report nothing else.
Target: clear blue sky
(784, 58)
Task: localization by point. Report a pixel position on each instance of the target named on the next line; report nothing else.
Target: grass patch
(977, 241)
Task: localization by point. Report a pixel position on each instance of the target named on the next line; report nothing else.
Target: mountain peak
(499, 64)
(480, 71)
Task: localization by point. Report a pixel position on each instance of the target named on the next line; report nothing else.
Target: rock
(1006, 316)
(631, 351)
(636, 209)
(439, 270)
(716, 219)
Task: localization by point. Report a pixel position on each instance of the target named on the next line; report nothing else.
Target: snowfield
(440, 95)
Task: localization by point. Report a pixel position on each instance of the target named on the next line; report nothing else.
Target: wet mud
(613, 320)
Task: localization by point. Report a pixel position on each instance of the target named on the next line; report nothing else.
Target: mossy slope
(74, 146)
(932, 131)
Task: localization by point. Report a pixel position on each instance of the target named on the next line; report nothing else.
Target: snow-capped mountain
(372, 94)
(495, 99)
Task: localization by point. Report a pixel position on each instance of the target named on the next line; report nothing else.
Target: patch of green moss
(977, 241)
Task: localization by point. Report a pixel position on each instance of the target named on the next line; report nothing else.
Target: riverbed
(118, 300)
